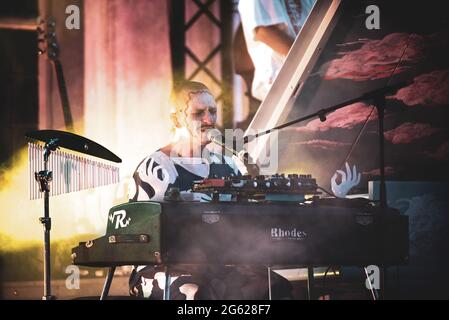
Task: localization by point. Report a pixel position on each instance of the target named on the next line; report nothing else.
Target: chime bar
(70, 172)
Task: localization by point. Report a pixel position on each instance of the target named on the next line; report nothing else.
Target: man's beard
(198, 138)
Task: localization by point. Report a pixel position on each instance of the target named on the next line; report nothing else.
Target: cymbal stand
(44, 178)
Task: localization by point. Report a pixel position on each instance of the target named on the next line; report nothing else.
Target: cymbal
(74, 142)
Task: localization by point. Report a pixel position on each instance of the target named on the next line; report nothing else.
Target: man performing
(192, 157)
(270, 28)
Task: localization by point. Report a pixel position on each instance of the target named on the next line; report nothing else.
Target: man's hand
(348, 180)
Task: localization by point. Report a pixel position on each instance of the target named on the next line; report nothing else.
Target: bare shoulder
(167, 149)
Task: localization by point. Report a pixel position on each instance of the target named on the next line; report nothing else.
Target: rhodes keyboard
(335, 232)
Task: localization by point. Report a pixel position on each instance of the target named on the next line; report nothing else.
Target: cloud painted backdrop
(411, 44)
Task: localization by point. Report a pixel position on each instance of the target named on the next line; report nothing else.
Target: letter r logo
(121, 221)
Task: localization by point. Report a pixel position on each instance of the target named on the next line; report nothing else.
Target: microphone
(212, 134)
(215, 136)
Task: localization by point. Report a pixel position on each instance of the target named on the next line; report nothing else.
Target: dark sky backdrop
(356, 60)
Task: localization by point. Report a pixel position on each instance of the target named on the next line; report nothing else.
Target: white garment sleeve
(152, 178)
(307, 6)
(256, 13)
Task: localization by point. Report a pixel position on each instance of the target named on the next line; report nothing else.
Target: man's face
(201, 115)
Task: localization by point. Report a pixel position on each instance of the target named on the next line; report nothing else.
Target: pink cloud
(409, 132)
(377, 59)
(429, 90)
(324, 144)
(376, 172)
(442, 152)
(345, 118)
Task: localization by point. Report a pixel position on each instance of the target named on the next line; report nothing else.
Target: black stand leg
(269, 283)
(44, 178)
(167, 284)
(107, 283)
(46, 221)
(380, 105)
(310, 283)
(383, 282)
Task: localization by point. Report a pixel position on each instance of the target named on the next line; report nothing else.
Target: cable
(369, 116)
(357, 138)
(325, 275)
(326, 191)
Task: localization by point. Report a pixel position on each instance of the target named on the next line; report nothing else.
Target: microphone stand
(378, 97)
(252, 168)
(380, 106)
(321, 114)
